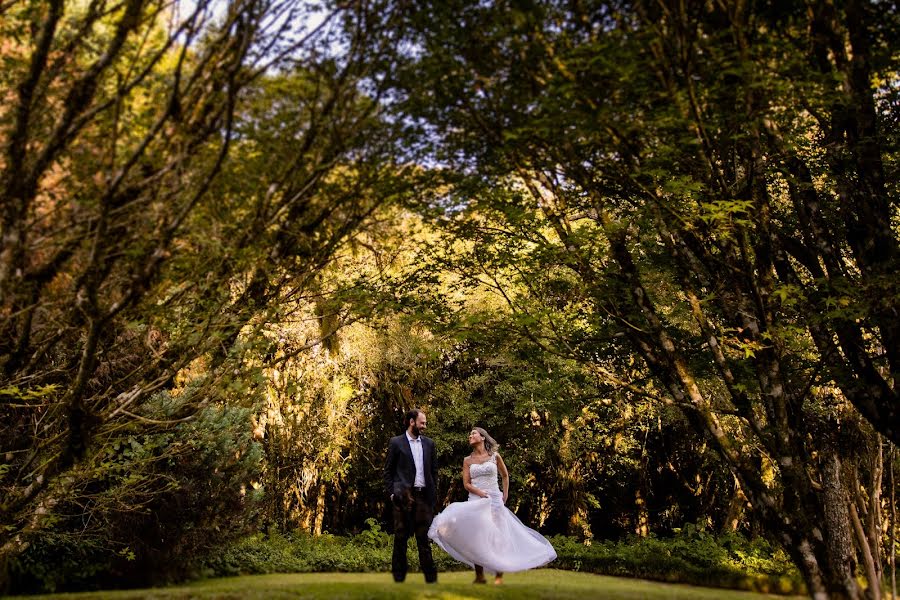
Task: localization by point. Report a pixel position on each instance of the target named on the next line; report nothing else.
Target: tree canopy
(651, 246)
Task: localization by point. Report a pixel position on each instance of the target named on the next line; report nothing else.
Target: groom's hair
(410, 415)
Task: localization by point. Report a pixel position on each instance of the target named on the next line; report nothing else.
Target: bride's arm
(504, 474)
(467, 481)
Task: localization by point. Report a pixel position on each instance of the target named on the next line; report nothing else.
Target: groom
(410, 476)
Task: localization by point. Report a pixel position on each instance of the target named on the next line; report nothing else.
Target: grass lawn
(530, 585)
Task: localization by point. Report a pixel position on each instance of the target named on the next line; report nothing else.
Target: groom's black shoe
(431, 578)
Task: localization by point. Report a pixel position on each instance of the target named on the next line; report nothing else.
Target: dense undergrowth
(692, 555)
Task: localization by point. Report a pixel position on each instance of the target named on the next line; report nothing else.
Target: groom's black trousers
(412, 514)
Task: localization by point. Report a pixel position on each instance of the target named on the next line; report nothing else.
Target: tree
(714, 175)
(138, 255)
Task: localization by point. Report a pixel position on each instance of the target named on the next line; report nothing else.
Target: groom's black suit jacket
(400, 469)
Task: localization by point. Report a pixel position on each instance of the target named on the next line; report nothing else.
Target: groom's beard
(416, 431)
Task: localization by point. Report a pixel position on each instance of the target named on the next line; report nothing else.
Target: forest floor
(541, 584)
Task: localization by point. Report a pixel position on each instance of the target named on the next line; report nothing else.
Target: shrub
(692, 555)
(255, 555)
(149, 505)
(368, 551)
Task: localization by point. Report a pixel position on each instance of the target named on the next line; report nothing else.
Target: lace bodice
(484, 475)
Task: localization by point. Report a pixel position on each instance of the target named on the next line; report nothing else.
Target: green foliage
(200, 207)
(368, 551)
(709, 189)
(692, 555)
(253, 555)
(57, 561)
(373, 537)
(573, 166)
(149, 505)
(14, 393)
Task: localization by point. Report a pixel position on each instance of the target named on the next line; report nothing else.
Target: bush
(255, 555)
(149, 505)
(692, 556)
(368, 551)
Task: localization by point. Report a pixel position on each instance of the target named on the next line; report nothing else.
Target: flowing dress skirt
(484, 532)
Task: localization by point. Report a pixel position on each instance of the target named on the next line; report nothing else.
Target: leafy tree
(714, 176)
(139, 254)
(153, 503)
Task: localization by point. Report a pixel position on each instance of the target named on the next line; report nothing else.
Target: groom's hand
(402, 501)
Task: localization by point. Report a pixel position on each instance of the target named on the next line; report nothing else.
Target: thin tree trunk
(735, 508)
(320, 510)
(876, 527)
(893, 526)
(812, 571)
(862, 540)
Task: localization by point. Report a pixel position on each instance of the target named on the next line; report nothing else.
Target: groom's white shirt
(415, 444)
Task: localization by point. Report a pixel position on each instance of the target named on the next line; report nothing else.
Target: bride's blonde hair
(490, 444)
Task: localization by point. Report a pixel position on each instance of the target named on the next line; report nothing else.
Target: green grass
(531, 585)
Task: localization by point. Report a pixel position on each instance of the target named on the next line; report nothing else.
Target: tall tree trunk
(320, 510)
(735, 508)
(642, 524)
(875, 529)
(868, 560)
(893, 538)
(841, 560)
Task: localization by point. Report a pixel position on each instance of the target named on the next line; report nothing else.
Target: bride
(482, 532)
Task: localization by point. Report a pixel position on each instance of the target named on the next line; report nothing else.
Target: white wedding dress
(482, 531)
